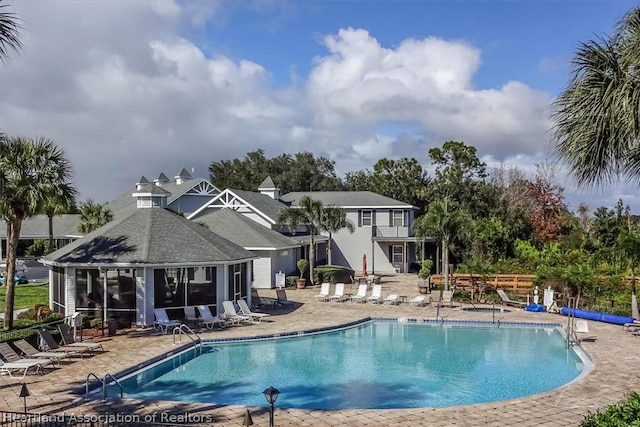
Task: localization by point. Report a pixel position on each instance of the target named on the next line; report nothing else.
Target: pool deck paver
(616, 373)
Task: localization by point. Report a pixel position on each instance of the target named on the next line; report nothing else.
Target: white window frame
(370, 218)
(395, 218)
(394, 253)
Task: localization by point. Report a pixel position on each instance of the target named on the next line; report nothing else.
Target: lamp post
(271, 394)
(24, 393)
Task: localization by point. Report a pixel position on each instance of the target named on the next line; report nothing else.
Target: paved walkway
(616, 373)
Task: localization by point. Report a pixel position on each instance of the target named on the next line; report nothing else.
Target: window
(178, 287)
(367, 219)
(397, 255)
(398, 218)
(237, 283)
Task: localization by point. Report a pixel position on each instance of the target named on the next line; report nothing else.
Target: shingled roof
(150, 236)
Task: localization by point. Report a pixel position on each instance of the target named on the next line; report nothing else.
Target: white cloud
(143, 99)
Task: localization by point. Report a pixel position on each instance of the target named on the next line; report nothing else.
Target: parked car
(20, 279)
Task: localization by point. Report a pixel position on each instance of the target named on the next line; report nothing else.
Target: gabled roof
(262, 204)
(347, 199)
(153, 190)
(267, 184)
(37, 227)
(184, 174)
(150, 236)
(162, 177)
(144, 180)
(244, 231)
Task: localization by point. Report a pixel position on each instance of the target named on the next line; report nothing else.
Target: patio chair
(10, 356)
(208, 319)
(231, 315)
(12, 367)
(162, 322)
(324, 292)
(190, 316)
(435, 298)
(361, 295)
(258, 302)
(507, 301)
(581, 327)
(338, 293)
(282, 297)
(30, 351)
(69, 341)
(447, 298)
(376, 294)
(420, 300)
(246, 311)
(52, 345)
(392, 299)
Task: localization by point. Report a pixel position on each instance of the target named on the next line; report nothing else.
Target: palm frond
(9, 32)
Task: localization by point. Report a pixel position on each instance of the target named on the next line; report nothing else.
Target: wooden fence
(518, 283)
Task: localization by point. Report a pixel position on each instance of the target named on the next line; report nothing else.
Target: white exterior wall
(269, 264)
(348, 248)
(145, 296)
(262, 270)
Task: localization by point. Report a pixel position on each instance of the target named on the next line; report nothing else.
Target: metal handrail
(86, 385)
(104, 386)
(180, 330)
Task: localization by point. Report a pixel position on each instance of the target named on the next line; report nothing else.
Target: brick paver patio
(616, 356)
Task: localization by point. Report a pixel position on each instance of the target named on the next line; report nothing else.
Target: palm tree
(9, 32)
(443, 223)
(93, 216)
(32, 171)
(597, 117)
(59, 204)
(309, 213)
(334, 220)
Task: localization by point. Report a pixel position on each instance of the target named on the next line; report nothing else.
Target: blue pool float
(595, 315)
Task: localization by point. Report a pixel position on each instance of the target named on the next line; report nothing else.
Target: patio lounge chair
(282, 297)
(258, 302)
(246, 311)
(10, 356)
(447, 298)
(12, 367)
(419, 300)
(162, 322)
(338, 294)
(30, 351)
(231, 315)
(361, 296)
(52, 345)
(392, 299)
(208, 319)
(435, 298)
(324, 292)
(507, 301)
(376, 294)
(69, 341)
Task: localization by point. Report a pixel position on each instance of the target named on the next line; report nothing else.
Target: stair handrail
(86, 385)
(104, 386)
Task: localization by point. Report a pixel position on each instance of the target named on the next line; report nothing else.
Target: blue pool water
(375, 365)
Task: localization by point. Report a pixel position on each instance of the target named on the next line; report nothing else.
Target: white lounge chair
(361, 296)
(13, 367)
(392, 299)
(338, 295)
(324, 292)
(231, 315)
(447, 298)
(376, 294)
(208, 319)
(162, 322)
(507, 301)
(419, 300)
(246, 311)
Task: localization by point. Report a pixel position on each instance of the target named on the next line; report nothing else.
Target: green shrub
(425, 271)
(332, 274)
(303, 265)
(291, 281)
(625, 413)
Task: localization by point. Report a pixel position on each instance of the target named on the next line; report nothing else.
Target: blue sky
(186, 83)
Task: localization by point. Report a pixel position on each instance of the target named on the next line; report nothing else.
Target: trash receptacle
(113, 326)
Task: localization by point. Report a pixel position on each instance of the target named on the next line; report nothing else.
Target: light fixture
(24, 393)
(271, 394)
(248, 421)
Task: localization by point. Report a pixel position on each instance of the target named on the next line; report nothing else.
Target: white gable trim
(228, 199)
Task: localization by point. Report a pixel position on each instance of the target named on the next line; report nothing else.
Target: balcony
(391, 232)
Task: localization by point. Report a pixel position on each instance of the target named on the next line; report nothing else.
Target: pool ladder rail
(183, 329)
(104, 382)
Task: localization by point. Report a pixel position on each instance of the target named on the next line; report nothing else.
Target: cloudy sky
(132, 88)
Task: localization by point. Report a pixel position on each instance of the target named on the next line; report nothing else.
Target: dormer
(268, 188)
(161, 180)
(143, 181)
(151, 196)
(183, 176)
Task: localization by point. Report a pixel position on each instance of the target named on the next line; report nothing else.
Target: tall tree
(58, 204)
(9, 32)
(93, 216)
(358, 180)
(597, 117)
(32, 171)
(335, 219)
(310, 214)
(549, 211)
(403, 180)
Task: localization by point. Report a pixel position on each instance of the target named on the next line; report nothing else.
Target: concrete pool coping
(616, 372)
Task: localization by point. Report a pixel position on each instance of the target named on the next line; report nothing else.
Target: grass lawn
(27, 296)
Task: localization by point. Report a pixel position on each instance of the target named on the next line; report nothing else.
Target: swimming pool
(379, 364)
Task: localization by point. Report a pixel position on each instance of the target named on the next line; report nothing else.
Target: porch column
(248, 281)
(222, 283)
(373, 257)
(105, 296)
(406, 257)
